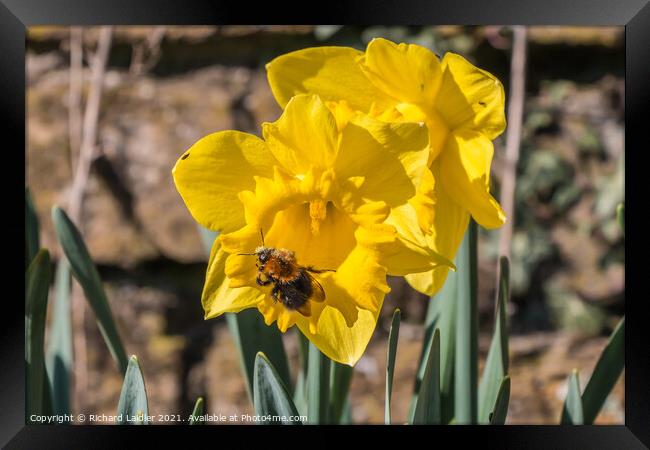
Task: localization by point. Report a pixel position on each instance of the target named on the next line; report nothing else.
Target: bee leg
(262, 282)
(274, 293)
(314, 270)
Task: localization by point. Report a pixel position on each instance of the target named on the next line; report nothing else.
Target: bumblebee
(293, 285)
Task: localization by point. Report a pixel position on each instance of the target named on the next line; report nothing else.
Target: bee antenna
(262, 234)
(246, 254)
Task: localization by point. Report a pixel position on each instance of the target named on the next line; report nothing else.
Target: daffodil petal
(450, 221)
(342, 111)
(386, 154)
(306, 135)
(427, 115)
(218, 297)
(407, 72)
(424, 201)
(274, 312)
(335, 339)
(429, 282)
(360, 279)
(214, 170)
(365, 213)
(442, 220)
(470, 97)
(413, 252)
(330, 72)
(444, 233)
(465, 176)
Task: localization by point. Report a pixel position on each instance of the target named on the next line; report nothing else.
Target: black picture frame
(16, 15)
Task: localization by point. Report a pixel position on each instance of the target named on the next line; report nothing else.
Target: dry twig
(146, 54)
(513, 136)
(74, 93)
(87, 130)
(90, 120)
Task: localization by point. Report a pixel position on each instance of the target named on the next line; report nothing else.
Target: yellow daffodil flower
(461, 105)
(322, 188)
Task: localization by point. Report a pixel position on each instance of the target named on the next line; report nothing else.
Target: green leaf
(500, 409)
(607, 371)
(133, 408)
(48, 409)
(465, 392)
(197, 412)
(59, 352)
(390, 362)
(252, 335)
(318, 371)
(620, 216)
(572, 412)
(340, 379)
(32, 241)
(496, 364)
(37, 284)
(346, 417)
(85, 272)
(441, 314)
(270, 394)
(300, 392)
(427, 409)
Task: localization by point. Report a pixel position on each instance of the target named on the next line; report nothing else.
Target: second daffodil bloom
(321, 192)
(461, 105)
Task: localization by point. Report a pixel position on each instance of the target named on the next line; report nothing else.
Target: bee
(293, 285)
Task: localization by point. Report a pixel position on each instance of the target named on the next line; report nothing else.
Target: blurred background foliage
(165, 87)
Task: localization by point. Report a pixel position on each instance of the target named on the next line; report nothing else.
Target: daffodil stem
(303, 352)
(466, 373)
(300, 389)
(340, 379)
(318, 374)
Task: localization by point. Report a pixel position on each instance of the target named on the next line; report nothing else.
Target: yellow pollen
(317, 212)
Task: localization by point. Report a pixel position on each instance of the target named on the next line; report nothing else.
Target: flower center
(318, 232)
(318, 213)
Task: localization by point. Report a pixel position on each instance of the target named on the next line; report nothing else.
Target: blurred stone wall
(568, 252)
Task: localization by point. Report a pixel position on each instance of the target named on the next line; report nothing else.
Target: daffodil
(461, 105)
(323, 189)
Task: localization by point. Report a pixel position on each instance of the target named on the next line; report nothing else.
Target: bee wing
(305, 309)
(317, 291)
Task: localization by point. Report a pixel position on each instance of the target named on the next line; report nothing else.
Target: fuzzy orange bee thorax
(281, 265)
